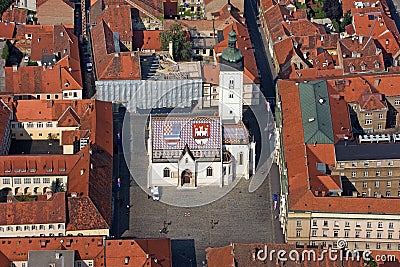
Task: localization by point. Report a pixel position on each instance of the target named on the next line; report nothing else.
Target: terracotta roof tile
(109, 63)
(119, 20)
(34, 212)
(146, 40)
(15, 15)
(7, 30)
(84, 215)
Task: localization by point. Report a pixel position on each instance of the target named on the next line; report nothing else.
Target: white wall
(235, 150)
(230, 100)
(58, 229)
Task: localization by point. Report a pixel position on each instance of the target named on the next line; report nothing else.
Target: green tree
(6, 51)
(347, 19)
(333, 9)
(57, 186)
(180, 46)
(370, 262)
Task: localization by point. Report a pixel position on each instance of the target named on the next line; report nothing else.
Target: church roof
(232, 53)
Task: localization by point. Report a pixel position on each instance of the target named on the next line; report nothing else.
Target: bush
(6, 51)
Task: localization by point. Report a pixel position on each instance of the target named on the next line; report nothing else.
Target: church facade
(200, 151)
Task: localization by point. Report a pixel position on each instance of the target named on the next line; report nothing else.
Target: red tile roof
(146, 40)
(300, 197)
(154, 7)
(7, 30)
(118, 18)
(246, 255)
(41, 80)
(34, 212)
(104, 252)
(244, 45)
(83, 215)
(109, 63)
(211, 73)
(15, 15)
(371, 101)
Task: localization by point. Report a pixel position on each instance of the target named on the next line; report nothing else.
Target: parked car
(89, 66)
(155, 193)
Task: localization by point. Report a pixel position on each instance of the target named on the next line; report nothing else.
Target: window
(39, 124)
(367, 246)
(46, 180)
(388, 184)
(41, 227)
(314, 233)
(365, 184)
(60, 226)
(324, 233)
(298, 223)
(18, 228)
(17, 180)
(366, 164)
(364, 194)
(230, 95)
(346, 224)
(27, 180)
(40, 134)
(241, 158)
(398, 247)
(51, 226)
(365, 174)
(323, 244)
(9, 228)
(166, 172)
(335, 233)
(336, 223)
(357, 234)
(379, 235)
(29, 125)
(369, 114)
(397, 102)
(390, 235)
(314, 223)
(369, 225)
(231, 84)
(325, 223)
(389, 246)
(390, 173)
(346, 233)
(379, 126)
(378, 163)
(377, 184)
(342, 165)
(79, 264)
(353, 174)
(209, 171)
(368, 235)
(378, 173)
(390, 163)
(388, 193)
(368, 122)
(358, 224)
(49, 124)
(298, 233)
(34, 227)
(6, 181)
(378, 245)
(26, 228)
(380, 116)
(36, 180)
(380, 224)
(354, 164)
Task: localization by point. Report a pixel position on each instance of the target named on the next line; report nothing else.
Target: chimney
(116, 54)
(360, 40)
(10, 198)
(376, 82)
(355, 193)
(15, 68)
(170, 49)
(74, 194)
(49, 194)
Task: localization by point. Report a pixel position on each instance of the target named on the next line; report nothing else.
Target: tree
(6, 51)
(57, 186)
(181, 47)
(333, 9)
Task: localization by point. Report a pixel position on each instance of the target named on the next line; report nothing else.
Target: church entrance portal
(186, 177)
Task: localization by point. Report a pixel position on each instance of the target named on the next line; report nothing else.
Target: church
(189, 151)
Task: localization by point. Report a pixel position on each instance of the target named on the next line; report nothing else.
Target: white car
(89, 66)
(155, 193)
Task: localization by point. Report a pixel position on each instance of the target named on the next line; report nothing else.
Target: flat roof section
(351, 150)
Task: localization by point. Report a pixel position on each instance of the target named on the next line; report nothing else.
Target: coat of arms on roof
(201, 133)
(172, 133)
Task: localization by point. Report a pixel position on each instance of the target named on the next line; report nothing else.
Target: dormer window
(231, 84)
(377, 65)
(363, 66)
(352, 68)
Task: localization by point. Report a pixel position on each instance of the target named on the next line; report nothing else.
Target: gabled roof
(7, 30)
(110, 63)
(371, 101)
(14, 14)
(52, 210)
(315, 112)
(187, 151)
(69, 118)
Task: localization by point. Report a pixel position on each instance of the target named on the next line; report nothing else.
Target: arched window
(209, 171)
(166, 172)
(231, 84)
(241, 158)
